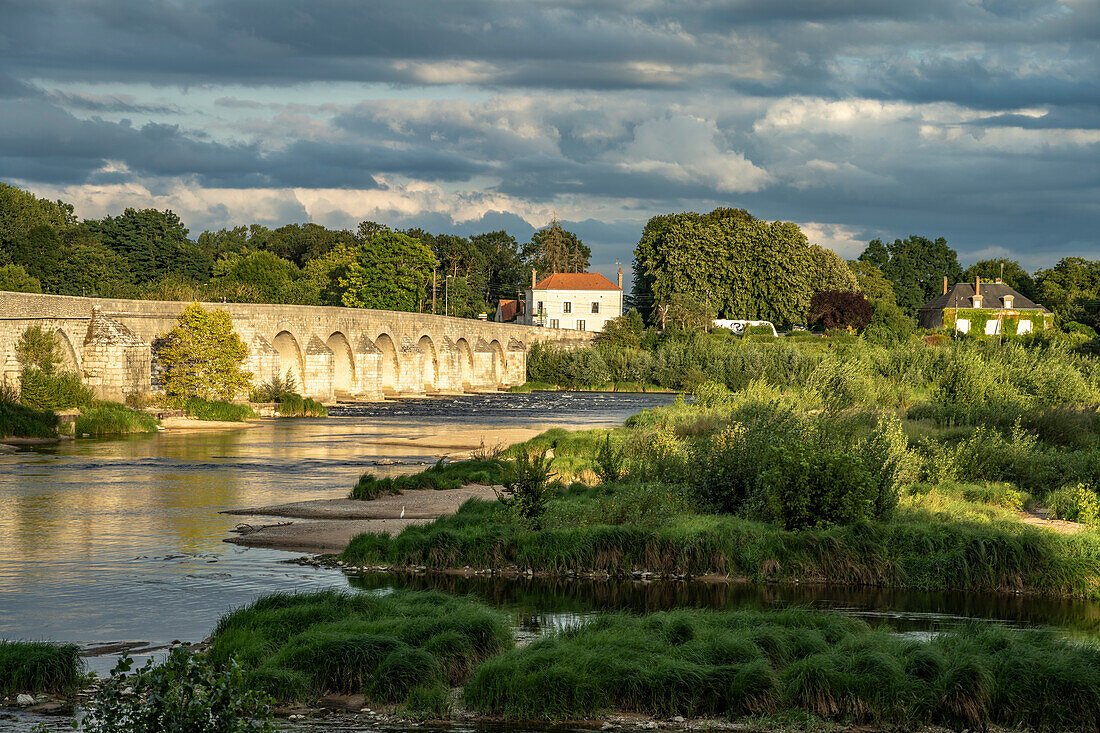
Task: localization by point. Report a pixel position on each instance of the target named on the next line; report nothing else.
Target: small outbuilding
(984, 308)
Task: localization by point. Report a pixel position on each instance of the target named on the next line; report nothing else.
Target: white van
(740, 327)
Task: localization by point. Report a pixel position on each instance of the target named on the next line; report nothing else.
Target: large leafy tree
(154, 243)
(915, 267)
(504, 266)
(203, 356)
(1010, 272)
(15, 279)
(735, 264)
(872, 283)
(1071, 289)
(389, 271)
(259, 277)
(555, 249)
(22, 211)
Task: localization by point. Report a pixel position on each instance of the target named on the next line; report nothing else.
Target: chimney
(620, 278)
(945, 284)
(998, 281)
(532, 278)
(977, 285)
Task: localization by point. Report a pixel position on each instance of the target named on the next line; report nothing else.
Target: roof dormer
(1007, 300)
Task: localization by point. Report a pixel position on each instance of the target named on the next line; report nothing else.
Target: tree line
(148, 254)
(690, 268)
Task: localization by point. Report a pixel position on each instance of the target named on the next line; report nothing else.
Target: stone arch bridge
(332, 353)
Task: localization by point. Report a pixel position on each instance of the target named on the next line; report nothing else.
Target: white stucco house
(584, 301)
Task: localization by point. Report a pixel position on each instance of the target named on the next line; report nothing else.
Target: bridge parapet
(330, 352)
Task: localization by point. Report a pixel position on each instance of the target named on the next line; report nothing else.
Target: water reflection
(121, 540)
(540, 604)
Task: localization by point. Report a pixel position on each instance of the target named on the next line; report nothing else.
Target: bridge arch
(69, 359)
(343, 363)
(290, 358)
(391, 369)
(431, 363)
(465, 364)
(497, 373)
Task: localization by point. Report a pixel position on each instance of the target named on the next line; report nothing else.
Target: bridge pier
(109, 343)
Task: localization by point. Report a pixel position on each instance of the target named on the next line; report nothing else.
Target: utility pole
(447, 295)
(433, 292)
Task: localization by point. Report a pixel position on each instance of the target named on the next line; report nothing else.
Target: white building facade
(583, 301)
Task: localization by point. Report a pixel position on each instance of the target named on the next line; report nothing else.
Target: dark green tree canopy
(1071, 289)
(555, 249)
(915, 266)
(390, 271)
(21, 211)
(154, 243)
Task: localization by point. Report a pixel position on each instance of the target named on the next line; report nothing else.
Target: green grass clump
(294, 405)
(38, 666)
(201, 409)
(748, 663)
(441, 476)
(392, 648)
(102, 417)
(52, 390)
(21, 421)
(904, 553)
(528, 387)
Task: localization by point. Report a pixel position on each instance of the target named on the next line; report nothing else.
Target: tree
(872, 283)
(1071, 289)
(94, 269)
(555, 249)
(1010, 272)
(740, 266)
(889, 325)
(15, 279)
(266, 274)
(154, 243)
(840, 309)
(203, 356)
(689, 312)
(21, 211)
(915, 266)
(624, 331)
(504, 266)
(390, 272)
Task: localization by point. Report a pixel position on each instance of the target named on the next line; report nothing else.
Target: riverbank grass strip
(298, 647)
(34, 667)
(737, 664)
(441, 476)
(920, 555)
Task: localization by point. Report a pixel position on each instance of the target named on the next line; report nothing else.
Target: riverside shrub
(39, 666)
(45, 390)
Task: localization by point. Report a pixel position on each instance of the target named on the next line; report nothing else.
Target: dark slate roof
(992, 296)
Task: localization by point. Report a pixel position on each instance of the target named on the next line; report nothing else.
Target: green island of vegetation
(831, 460)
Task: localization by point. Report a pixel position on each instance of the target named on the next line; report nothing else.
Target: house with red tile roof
(583, 301)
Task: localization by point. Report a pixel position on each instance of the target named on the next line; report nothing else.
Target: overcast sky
(976, 120)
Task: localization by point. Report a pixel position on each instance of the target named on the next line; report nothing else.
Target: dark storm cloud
(771, 47)
(41, 142)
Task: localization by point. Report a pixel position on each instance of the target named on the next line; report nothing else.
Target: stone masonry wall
(332, 350)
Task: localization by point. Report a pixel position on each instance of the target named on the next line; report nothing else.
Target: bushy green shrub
(1078, 503)
(275, 389)
(609, 462)
(102, 417)
(201, 409)
(526, 487)
(892, 466)
(184, 693)
(805, 486)
(39, 666)
(293, 405)
(21, 421)
(53, 390)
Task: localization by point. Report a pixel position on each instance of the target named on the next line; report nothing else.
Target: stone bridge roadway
(332, 352)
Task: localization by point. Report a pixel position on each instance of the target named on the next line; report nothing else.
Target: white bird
(402, 511)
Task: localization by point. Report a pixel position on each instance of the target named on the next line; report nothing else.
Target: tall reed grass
(102, 417)
(39, 666)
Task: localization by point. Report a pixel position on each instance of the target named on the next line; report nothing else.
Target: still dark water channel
(121, 541)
